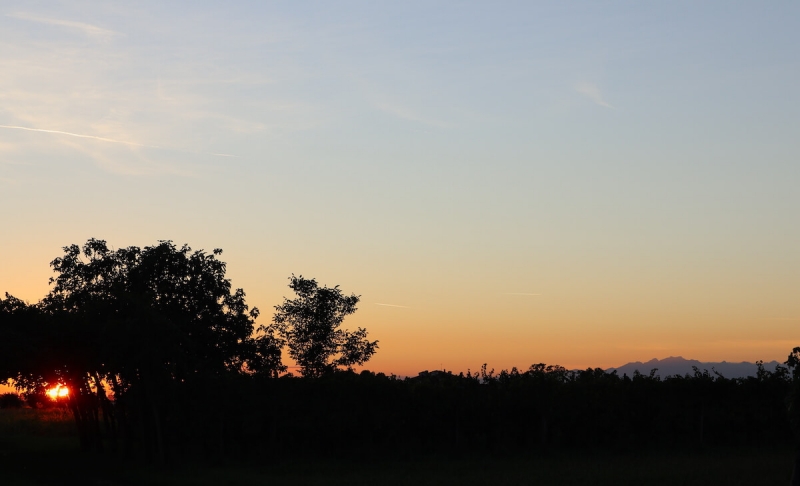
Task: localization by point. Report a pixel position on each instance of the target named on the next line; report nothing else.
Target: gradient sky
(583, 184)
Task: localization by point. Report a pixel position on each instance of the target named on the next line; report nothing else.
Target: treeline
(544, 407)
(344, 413)
(164, 362)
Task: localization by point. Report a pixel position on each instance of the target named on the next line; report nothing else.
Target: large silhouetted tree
(310, 325)
(156, 324)
(176, 301)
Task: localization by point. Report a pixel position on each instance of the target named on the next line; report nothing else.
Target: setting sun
(59, 391)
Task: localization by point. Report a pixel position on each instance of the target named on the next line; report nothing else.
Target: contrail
(88, 29)
(393, 305)
(518, 293)
(59, 132)
(104, 139)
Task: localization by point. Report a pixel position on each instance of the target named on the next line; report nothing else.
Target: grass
(38, 447)
(715, 467)
(48, 422)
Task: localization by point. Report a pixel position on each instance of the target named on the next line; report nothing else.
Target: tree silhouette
(25, 346)
(310, 326)
(793, 407)
(156, 325)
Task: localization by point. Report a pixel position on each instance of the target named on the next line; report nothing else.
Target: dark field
(38, 447)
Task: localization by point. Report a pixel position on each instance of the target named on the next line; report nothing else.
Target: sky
(574, 183)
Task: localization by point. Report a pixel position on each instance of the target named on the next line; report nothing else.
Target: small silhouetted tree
(309, 324)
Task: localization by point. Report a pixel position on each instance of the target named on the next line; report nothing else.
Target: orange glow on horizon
(59, 391)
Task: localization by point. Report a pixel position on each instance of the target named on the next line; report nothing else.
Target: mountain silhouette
(678, 365)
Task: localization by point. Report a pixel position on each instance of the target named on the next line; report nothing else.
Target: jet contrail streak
(104, 139)
(518, 293)
(59, 132)
(392, 305)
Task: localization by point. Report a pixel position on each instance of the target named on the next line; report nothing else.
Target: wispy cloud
(104, 139)
(519, 293)
(128, 163)
(393, 305)
(89, 30)
(592, 92)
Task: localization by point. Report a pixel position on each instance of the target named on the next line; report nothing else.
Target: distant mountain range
(677, 365)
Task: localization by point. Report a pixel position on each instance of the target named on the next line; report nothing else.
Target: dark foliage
(310, 323)
(153, 327)
(11, 400)
(538, 409)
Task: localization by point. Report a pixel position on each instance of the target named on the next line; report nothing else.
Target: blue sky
(582, 183)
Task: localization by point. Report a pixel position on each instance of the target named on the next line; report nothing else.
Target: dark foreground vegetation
(39, 447)
(166, 367)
